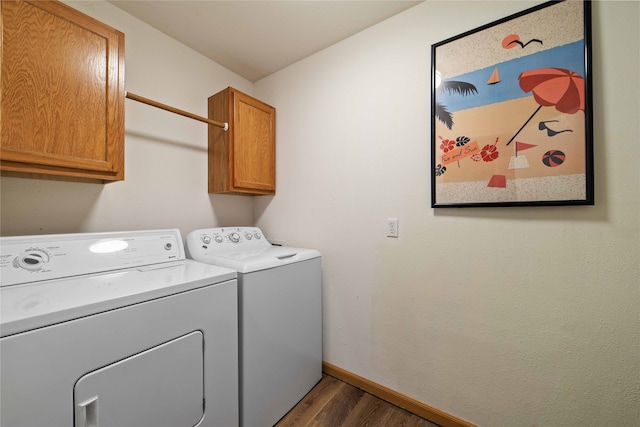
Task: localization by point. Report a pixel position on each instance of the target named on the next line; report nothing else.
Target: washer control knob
(218, 238)
(206, 240)
(248, 236)
(168, 246)
(234, 237)
(258, 235)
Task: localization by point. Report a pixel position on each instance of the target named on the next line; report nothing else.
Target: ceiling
(257, 38)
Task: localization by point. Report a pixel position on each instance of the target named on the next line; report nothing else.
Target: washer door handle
(87, 413)
(286, 255)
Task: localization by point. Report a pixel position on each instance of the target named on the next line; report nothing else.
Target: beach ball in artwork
(553, 158)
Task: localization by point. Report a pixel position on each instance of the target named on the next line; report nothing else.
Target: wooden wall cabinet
(242, 160)
(62, 98)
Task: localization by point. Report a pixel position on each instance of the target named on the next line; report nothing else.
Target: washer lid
(256, 260)
(250, 261)
(245, 249)
(38, 304)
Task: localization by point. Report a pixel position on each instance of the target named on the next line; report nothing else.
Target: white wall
(504, 317)
(500, 316)
(165, 182)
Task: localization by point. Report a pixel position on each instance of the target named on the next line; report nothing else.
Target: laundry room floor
(333, 403)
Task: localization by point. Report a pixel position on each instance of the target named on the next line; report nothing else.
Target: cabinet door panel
(242, 160)
(62, 90)
(253, 147)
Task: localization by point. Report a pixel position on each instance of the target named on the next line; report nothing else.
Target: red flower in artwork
(489, 153)
(447, 145)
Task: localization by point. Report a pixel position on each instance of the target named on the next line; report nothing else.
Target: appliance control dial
(206, 240)
(32, 260)
(248, 236)
(234, 237)
(257, 235)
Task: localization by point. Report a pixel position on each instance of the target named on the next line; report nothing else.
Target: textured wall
(504, 317)
(501, 316)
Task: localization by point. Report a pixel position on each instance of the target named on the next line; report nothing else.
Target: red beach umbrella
(557, 87)
(563, 89)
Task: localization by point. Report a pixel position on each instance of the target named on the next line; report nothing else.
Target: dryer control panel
(25, 259)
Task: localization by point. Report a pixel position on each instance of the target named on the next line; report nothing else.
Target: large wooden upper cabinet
(62, 98)
(242, 160)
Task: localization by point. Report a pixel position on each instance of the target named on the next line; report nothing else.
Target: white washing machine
(115, 329)
(280, 317)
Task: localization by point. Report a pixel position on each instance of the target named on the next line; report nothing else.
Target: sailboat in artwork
(494, 78)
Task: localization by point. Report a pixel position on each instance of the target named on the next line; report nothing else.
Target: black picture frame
(512, 111)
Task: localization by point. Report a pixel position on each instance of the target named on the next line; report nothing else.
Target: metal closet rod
(147, 101)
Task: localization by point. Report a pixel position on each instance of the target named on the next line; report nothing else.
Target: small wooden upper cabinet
(62, 98)
(242, 160)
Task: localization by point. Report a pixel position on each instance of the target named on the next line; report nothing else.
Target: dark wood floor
(333, 403)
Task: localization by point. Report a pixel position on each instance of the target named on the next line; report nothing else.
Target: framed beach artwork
(512, 111)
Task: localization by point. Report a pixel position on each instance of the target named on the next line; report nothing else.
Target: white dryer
(115, 329)
(280, 317)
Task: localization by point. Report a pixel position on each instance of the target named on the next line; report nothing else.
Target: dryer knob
(33, 260)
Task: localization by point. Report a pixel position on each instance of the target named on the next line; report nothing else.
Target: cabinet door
(253, 144)
(62, 95)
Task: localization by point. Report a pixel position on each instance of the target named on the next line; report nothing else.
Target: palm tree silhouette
(451, 87)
